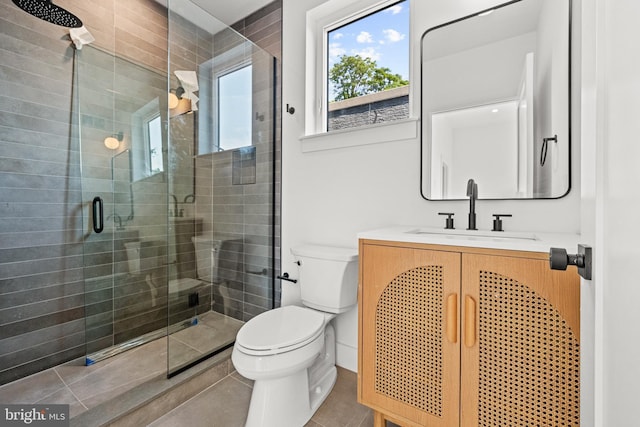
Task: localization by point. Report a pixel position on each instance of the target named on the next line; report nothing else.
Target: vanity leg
(378, 419)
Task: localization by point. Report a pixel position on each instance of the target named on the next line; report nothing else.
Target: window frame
(147, 139)
(222, 64)
(141, 145)
(219, 74)
(320, 21)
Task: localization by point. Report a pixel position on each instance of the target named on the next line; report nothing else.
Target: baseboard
(347, 357)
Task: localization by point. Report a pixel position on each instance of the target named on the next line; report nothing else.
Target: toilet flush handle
(285, 276)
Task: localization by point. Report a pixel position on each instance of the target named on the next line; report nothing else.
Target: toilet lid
(280, 328)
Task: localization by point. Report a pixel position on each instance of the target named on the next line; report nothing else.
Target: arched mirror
(495, 103)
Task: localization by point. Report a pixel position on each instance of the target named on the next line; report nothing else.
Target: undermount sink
(475, 234)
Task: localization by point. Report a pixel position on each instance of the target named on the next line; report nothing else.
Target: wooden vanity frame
(557, 291)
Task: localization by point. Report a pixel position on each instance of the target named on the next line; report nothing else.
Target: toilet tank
(328, 277)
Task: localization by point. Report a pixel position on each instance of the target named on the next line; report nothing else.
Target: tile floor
(225, 404)
(85, 387)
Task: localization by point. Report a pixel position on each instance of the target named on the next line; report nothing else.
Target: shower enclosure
(178, 185)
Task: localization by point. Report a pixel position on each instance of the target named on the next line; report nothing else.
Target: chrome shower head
(49, 12)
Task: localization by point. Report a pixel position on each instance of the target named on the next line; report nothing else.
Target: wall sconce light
(175, 95)
(112, 142)
(177, 104)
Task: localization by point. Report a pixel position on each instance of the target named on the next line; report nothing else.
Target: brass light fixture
(113, 142)
(183, 99)
(178, 104)
(175, 95)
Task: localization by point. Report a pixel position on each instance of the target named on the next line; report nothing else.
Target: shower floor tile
(144, 362)
(32, 388)
(224, 403)
(84, 387)
(212, 328)
(212, 331)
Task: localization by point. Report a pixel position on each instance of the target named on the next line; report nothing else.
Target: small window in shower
(235, 108)
(154, 143)
(146, 141)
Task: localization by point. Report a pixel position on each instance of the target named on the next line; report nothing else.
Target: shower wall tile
(12, 329)
(33, 109)
(32, 297)
(51, 359)
(264, 29)
(42, 214)
(44, 349)
(35, 281)
(27, 312)
(33, 253)
(55, 333)
(98, 17)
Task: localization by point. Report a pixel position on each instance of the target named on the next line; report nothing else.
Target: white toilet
(290, 351)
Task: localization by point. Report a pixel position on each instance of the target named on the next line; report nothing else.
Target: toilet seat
(280, 330)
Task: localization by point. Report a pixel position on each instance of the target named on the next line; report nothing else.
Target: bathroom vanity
(462, 328)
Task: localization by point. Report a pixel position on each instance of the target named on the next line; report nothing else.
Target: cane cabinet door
(409, 334)
(521, 343)
(467, 337)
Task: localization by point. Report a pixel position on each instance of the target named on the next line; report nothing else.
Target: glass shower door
(178, 176)
(221, 184)
(121, 107)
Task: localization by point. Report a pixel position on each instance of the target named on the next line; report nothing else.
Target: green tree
(355, 76)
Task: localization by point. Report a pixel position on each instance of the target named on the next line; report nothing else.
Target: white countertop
(519, 241)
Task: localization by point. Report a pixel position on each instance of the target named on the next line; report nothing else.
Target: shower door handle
(98, 214)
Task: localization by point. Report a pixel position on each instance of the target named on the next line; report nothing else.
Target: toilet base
(292, 400)
(319, 391)
(279, 403)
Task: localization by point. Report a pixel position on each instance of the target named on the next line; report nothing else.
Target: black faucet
(472, 192)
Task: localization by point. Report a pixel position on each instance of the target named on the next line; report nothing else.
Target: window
(234, 108)
(154, 144)
(226, 100)
(367, 68)
(146, 141)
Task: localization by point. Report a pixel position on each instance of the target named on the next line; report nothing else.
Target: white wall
(480, 151)
(329, 196)
(611, 88)
(490, 81)
(441, 158)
